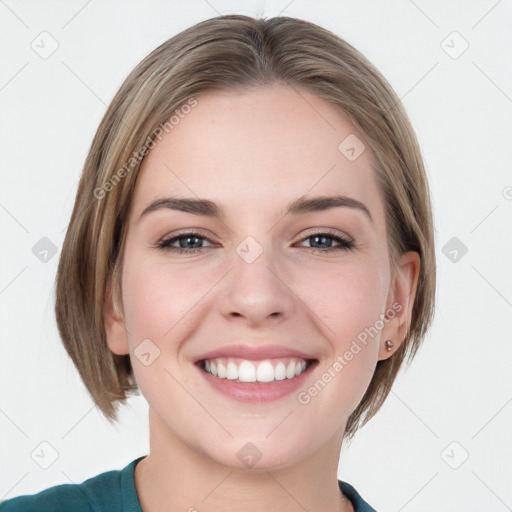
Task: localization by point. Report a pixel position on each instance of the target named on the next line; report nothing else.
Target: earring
(389, 345)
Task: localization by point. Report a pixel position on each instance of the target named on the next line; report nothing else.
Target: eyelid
(344, 241)
(164, 243)
(328, 231)
(203, 234)
(187, 231)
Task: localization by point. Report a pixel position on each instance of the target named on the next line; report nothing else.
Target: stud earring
(389, 345)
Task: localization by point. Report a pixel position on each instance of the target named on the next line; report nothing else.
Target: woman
(252, 247)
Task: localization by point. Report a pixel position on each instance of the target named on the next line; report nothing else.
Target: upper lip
(254, 353)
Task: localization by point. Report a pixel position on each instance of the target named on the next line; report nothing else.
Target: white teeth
(252, 371)
(280, 371)
(290, 370)
(247, 372)
(221, 371)
(265, 372)
(232, 371)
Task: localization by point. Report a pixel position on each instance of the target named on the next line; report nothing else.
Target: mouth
(263, 371)
(256, 381)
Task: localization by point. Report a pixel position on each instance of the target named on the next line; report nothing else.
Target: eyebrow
(299, 206)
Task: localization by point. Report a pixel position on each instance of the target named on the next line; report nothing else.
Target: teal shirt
(113, 491)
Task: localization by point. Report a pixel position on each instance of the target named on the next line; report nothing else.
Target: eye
(185, 240)
(192, 241)
(325, 238)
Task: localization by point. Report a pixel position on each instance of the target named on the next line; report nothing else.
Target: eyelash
(345, 243)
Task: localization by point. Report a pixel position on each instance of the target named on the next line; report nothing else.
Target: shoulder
(60, 498)
(355, 498)
(98, 493)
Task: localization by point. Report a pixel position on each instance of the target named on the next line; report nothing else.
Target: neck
(175, 477)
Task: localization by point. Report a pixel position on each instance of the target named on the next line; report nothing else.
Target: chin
(258, 453)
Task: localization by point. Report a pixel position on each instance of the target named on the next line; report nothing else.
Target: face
(274, 302)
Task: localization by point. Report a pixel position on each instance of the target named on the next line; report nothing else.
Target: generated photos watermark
(137, 156)
(304, 397)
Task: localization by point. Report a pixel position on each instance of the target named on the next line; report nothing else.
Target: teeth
(221, 371)
(300, 367)
(247, 372)
(280, 371)
(251, 371)
(265, 372)
(232, 371)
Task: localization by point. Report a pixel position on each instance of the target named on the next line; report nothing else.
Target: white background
(458, 388)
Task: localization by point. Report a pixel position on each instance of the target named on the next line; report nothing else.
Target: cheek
(157, 298)
(159, 305)
(347, 300)
(350, 303)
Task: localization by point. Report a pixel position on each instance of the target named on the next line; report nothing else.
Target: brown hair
(223, 53)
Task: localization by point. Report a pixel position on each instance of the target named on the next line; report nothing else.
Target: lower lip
(257, 391)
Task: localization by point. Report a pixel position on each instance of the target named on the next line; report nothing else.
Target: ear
(114, 323)
(400, 303)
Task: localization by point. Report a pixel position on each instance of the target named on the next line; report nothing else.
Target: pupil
(323, 238)
(185, 241)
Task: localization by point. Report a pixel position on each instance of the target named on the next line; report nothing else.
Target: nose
(256, 292)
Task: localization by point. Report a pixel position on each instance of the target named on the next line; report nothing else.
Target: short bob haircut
(232, 52)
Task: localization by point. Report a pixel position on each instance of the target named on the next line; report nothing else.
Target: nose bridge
(255, 288)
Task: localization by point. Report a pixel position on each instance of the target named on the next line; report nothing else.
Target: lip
(256, 392)
(254, 353)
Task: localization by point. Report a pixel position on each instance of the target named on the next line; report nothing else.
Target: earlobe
(115, 328)
(401, 298)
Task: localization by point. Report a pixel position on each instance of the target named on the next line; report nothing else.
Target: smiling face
(255, 282)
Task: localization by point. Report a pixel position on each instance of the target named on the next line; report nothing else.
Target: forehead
(262, 147)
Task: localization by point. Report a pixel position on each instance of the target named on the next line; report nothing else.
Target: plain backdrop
(442, 441)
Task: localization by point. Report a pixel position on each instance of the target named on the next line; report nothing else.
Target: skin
(252, 153)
